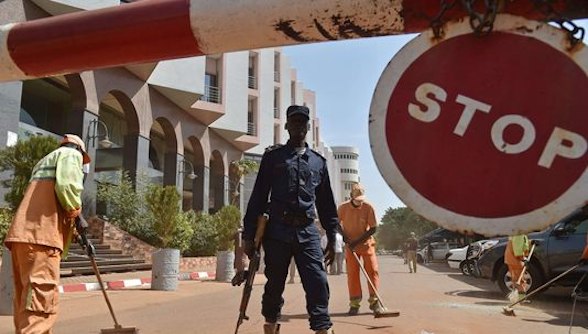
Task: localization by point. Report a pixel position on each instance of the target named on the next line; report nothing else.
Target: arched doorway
(217, 182)
(162, 153)
(194, 190)
(115, 149)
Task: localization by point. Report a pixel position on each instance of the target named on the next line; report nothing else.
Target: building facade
(162, 122)
(346, 164)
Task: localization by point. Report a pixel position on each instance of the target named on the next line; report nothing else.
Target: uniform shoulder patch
(272, 147)
(319, 154)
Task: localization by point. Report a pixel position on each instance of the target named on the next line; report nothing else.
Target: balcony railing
(252, 82)
(276, 112)
(276, 76)
(251, 129)
(211, 94)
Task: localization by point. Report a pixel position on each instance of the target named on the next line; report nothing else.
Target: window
(252, 79)
(276, 67)
(276, 103)
(252, 116)
(212, 91)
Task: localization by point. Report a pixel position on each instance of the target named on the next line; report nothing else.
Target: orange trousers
(515, 271)
(370, 263)
(36, 279)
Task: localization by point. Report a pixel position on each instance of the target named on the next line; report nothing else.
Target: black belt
(296, 220)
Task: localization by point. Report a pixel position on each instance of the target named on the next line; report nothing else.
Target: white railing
(252, 82)
(251, 129)
(211, 94)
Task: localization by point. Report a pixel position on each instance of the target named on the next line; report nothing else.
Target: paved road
(435, 300)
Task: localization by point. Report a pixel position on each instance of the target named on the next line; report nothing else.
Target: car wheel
(420, 258)
(473, 269)
(532, 277)
(465, 268)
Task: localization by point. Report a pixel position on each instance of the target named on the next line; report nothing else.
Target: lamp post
(189, 175)
(94, 134)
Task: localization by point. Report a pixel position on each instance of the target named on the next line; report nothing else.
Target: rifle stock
(253, 267)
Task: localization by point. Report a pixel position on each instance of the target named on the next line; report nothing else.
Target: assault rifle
(253, 267)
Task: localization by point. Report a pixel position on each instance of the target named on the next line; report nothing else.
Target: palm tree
(240, 168)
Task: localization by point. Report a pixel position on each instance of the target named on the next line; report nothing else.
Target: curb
(131, 283)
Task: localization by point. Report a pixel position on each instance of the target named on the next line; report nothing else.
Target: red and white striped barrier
(131, 282)
(153, 30)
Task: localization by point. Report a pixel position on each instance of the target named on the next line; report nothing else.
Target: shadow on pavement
(556, 301)
(340, 316)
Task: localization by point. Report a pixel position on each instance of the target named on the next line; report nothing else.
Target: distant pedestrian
(429, 253)
(412, 245)
(337, 265)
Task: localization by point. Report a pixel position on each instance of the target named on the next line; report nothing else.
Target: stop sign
(485, 133)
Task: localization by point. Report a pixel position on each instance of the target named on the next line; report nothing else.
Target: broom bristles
(513, 296)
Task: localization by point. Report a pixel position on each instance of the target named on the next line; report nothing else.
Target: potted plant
(173, 230)
(227, 221)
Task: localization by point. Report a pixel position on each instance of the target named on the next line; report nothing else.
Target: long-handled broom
(508, 310)
(118, 329)
(81, 227)
(386, 313)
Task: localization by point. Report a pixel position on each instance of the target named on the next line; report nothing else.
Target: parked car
(465, 258)
(439, 251)
(558, 248)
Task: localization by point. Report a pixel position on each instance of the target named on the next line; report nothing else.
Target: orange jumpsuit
(355, 221)
(40, 231)
(516, 249)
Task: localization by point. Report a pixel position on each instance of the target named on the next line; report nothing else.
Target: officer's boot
(272, 328)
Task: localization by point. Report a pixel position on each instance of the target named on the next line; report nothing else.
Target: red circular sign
(484, 128)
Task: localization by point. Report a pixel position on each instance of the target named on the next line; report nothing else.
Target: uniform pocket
(43, 297)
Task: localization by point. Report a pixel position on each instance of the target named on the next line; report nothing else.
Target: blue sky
(344, 74)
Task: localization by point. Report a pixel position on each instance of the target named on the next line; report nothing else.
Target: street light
(190, 175)
(94, 133)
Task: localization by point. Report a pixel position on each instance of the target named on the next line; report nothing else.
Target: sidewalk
(117, 281)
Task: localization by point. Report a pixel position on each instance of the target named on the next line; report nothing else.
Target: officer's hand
(249, 248)
(240, 277)
(330, 253)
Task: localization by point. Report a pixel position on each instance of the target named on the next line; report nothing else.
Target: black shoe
(353, 311)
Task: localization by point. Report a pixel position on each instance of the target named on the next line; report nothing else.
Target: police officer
(297, 180)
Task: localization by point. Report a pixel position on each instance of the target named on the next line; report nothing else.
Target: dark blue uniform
(297, 187)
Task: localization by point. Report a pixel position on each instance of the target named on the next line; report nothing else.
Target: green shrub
(173, 228)
(125, 207)
(227, 221)
(21, 159)
(184, 231)
(204, 240)
(5, 220)
(123, 203)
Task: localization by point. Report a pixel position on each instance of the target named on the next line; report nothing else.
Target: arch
(119, 116)
(218, 182)
(194, 190)
(162, 160)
